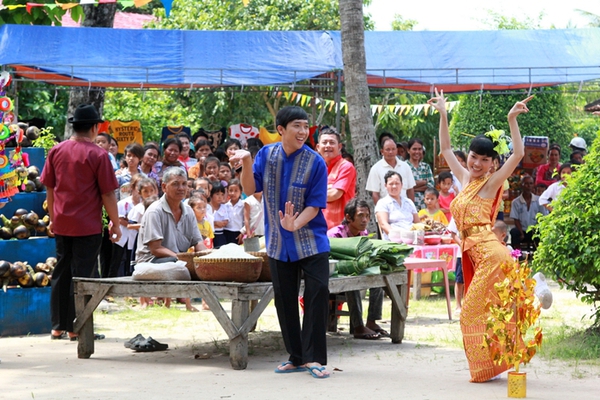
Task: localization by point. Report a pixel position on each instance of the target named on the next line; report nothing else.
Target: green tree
(548, 116)
(569, 249)
(401, 24)
(498, 21)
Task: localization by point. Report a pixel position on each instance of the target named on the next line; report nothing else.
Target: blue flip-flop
(287, 371)
(320, 369)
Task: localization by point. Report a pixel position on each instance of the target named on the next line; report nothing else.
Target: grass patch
(567, 343)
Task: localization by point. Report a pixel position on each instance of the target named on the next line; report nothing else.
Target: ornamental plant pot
(517, 384)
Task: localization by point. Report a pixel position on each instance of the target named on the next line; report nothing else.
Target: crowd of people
(183, 194)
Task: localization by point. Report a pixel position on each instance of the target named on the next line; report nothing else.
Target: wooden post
(238, 346)
(85, 344)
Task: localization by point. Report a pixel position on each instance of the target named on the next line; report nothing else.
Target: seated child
(198, 204)
(542, 291)
(433, 209)
(445, 196)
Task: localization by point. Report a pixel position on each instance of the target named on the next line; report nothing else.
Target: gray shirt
(158, 223)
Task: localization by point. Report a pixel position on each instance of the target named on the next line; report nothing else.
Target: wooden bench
(90, 291)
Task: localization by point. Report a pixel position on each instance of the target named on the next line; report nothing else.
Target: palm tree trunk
(97, 16)
(357, 94)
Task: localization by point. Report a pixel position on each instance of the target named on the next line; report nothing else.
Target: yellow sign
(126, 132)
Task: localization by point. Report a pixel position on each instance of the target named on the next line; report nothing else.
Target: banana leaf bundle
(389, 256)
(363, 256)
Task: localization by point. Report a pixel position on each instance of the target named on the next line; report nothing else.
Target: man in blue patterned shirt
(293, 179)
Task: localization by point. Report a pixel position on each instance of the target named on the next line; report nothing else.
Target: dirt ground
(196, 366)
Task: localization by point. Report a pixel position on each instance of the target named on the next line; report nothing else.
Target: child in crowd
(202, 183)
(446, 196)
(225, 174)
(220, 213)
(146, 188)
(134, 153)
(122, 250)
(230, 147)
(500, 229)
(184, 155)
(254, 218)
(456, 185)
(198, 204)
(540, 188)
(211, 168)
(103, 141)
(459, 281)
(433, 208)
(236, 213)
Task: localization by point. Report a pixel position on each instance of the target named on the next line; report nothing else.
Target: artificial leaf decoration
(512, 314)
(500, 139)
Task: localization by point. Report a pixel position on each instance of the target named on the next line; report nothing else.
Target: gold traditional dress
(482, 258)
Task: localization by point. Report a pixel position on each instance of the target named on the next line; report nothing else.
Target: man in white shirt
(523, 211)
(389, 162)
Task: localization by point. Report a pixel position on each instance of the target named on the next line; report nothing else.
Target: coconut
(26, 280)
(39, 186)
(41, 267)
(19, 212)
(51, 262)
(41, 279)
(33, 172)
(5, 233)
(21, 232)
(30, 186)
(33, 132)
(41, 227)
(30, 219)
(18, 269)
(5, 268)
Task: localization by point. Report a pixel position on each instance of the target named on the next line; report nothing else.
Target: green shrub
(548, 116)
(569, 249)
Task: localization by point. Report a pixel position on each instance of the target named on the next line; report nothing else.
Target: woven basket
(189, 261)
(265, 274)
(228, 270)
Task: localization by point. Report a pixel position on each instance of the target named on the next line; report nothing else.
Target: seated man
(168, 226)
(523, 211)
(357, 216)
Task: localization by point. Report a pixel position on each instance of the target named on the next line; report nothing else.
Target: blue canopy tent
(418, 61)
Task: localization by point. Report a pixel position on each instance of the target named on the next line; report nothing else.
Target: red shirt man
(341, 177)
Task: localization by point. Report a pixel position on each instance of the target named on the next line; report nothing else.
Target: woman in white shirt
(395, 211)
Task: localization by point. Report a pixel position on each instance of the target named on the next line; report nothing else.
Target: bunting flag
(330, 105)
(65, 6)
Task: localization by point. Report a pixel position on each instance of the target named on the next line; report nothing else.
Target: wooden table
(90, 291)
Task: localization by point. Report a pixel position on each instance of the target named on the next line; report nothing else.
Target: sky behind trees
(443, 15)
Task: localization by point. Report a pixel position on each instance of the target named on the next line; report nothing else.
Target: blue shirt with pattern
(300, 178)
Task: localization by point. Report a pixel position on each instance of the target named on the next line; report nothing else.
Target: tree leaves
(569, 247)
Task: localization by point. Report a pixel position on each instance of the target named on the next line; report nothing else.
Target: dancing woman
(474, 211)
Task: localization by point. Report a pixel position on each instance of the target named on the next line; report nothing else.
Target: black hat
(85, 114)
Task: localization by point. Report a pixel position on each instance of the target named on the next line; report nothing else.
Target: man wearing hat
(79, 180)
(578, 144)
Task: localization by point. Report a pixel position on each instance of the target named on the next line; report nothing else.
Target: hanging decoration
(10, 159)
(168, 4)
(414, 109)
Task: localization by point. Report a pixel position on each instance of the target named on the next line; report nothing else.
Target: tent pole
(338, 98)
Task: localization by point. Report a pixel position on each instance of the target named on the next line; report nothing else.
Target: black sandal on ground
(135, 340)
(149, 345)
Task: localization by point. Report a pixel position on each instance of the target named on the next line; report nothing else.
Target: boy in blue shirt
(293, 179)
